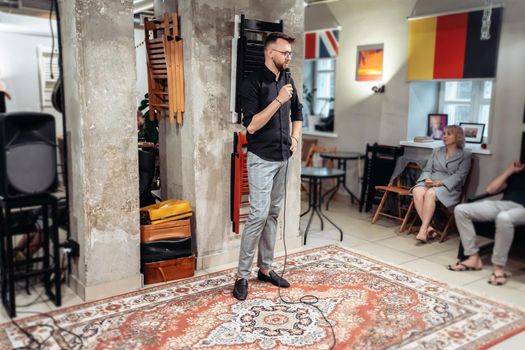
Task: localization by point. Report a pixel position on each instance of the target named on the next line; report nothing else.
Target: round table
(342, 158)
(315, 177)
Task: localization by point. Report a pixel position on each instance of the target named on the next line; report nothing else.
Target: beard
(279, 65)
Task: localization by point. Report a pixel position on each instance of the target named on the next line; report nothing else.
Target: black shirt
(515, 190)
(271, 142)
(2, 102)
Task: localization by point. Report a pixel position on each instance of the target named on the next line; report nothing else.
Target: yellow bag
(172, 209)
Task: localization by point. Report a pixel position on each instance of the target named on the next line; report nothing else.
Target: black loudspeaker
(28, 159)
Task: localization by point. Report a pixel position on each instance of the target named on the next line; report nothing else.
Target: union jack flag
(321, 44)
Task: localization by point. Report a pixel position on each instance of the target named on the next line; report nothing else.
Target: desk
(315, 177)
(50, 235)
(342, 158)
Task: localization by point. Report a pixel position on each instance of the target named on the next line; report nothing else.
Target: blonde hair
(458, 132)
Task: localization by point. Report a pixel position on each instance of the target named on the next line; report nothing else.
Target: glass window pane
(464, 91)
(457, 113)
(484, 112)
(325, 64)
(458, 90)
(487, 89)
(325, 85)
(450, 90)
(322, 106)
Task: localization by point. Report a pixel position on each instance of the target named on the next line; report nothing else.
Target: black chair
(487, 229)
(326, 124)
(380, 161)
(146, 175)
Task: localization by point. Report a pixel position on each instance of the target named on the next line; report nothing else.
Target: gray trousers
(267, 181)
(506, 214)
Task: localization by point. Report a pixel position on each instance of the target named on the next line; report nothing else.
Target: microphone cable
(308, 299)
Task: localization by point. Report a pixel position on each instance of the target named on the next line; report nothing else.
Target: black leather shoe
(240, 290)
(274, 279)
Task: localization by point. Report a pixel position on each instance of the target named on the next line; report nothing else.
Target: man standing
(507, 212)
(268, 102)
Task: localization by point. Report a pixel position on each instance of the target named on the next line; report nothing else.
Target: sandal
(497, 279)
(461, 266)
(433, 234)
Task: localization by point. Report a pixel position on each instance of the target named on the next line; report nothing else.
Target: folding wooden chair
(395, 187)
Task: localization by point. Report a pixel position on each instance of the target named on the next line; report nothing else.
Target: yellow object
(172, 209)
(421, 48)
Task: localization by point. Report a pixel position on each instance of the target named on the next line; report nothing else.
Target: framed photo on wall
(369, 65)
(436, 125)
(473, 132)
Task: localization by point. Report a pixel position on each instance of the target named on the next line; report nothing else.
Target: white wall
(360, 114)
(424, 99)
(363, 117)
(19, 38)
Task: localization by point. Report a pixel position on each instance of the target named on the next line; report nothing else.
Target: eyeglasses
(285, 53)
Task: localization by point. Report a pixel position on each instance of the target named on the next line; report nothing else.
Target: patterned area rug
(371, 305)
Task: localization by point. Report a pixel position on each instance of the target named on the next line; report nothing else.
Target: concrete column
(100, 80)
(197, 162)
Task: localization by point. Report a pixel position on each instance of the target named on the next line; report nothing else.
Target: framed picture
(473, 132)
(436, 125)
(369, 65)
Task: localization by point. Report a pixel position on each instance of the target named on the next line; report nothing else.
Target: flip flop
(464, 267)
(497, 280)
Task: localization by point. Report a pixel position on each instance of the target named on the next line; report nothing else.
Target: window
(319, 86)
(466, 101)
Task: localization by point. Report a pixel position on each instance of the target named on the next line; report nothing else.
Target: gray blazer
(452, 172)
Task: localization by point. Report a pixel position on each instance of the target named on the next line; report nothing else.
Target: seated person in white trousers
(507, 213)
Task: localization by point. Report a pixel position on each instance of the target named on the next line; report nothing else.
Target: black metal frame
(315, 201)
(341, 164)
(50, 235)
(250, 51)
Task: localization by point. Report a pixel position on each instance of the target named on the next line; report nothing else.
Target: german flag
(450, 47)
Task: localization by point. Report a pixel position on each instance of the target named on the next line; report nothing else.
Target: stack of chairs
(165, 67)
(165, 235)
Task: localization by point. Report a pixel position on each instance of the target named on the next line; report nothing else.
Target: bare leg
(419, 193)
(34, 239)
(429, 206)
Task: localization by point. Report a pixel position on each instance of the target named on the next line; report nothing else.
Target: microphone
(287, 75)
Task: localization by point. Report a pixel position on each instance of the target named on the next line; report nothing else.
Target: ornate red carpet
(371, 305)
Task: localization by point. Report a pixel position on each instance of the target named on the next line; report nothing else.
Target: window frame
(476, 102)
(316, 100)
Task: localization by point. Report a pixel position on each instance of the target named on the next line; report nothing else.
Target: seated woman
(442, 179)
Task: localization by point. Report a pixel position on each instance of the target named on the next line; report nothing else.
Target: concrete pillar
(100, 80)
(197, 162)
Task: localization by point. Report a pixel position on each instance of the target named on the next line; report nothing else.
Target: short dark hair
(272, 37)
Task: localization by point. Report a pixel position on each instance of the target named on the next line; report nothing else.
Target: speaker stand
(50, 264)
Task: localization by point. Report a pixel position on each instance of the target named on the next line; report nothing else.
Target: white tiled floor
(384, 242)
(381, 241)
